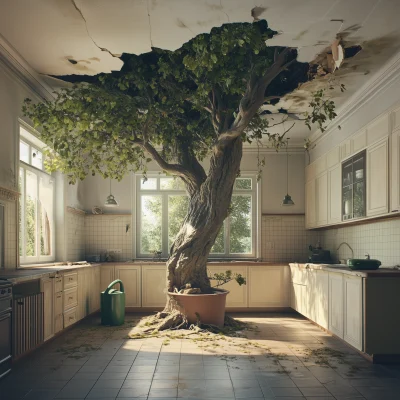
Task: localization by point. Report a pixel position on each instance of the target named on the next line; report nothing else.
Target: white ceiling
(46, 33)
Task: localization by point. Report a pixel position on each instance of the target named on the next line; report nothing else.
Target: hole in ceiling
(72, 61)
(351, 51)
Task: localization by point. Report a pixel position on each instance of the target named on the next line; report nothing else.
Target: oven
(5, 327)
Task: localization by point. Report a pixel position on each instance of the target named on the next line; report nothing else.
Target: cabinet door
(300, 300)
(353, 311)
(47, 287)
(107, 275)
(395, 172)
(377, 179)
(310, 204)
(321, 187)
(334, 195)
(94, 289)
(269, 286)
(130, 277)
(321, 296)
(154, 285)
(336, 304)
(237, 296)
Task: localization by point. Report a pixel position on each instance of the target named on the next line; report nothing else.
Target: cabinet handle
(59, 297)
(71, 279)
(70, 298)
(71, 318)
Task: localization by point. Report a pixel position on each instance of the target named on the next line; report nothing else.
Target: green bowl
(357, 263)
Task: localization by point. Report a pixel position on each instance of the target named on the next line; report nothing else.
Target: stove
(5, 326)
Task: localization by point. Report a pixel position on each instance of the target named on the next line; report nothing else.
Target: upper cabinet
(377, 178)
(353, 187)
(395, 171)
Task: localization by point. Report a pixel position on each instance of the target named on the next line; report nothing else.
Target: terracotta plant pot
(210, 307)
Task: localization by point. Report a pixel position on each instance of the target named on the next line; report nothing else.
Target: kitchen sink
(367, 264)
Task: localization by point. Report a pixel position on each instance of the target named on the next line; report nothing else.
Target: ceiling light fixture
(287, 200)
(111, 202)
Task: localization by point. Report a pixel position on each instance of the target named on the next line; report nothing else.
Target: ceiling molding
(379, 82)
(271, 151)
(23, 72)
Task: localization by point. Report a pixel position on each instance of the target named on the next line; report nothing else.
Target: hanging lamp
(110, 201)
(287, 200)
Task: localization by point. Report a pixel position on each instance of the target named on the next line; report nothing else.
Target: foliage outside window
(36, 224)
(162, 207)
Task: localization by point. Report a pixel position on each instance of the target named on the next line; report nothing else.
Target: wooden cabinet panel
(70, 317)
(322, 199)
(154, 285)
(311, 215)
(47, 287)
(300, 298)
(94, 289)
(298, 275)
(334, 195)
(333, 157)
(353, 311)
(395, 172)
(58, 303)
(378, 129)
(237, 296)
(345, 150)
(58, 323)
(336, 304)
(130, 277)
(359, 141)
(268, 286)
(377, 179)
(70, 298)
(58, 283)
(320, 296)
(107, 275)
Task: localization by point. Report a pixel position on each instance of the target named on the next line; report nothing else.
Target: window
(162, 206)
(36, 224)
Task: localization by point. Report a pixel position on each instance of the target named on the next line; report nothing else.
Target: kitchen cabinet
(237, 296)
(299, 299)
(353, 311)
(130, 275)
(334, 195)
(317, 301)
(268, 286)
(377, 178)
(336, 304)
(47, 287)
(395, 171)
(107, 275)
(58, 303)
(321, 188)
(154, 285)
(311, 216)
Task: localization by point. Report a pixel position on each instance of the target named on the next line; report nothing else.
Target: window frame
(36, 144)
(254, 193)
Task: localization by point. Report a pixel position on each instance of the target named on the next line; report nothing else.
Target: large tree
(176, 108)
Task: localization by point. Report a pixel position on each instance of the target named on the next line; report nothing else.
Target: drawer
(70, 298)
(70, 280)
(298, 275)
(58, 323)
(58, 284)
(58, 303)
(70, 317)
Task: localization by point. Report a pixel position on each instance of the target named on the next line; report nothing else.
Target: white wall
(273, 185)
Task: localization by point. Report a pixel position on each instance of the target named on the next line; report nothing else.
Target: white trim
(23, 72)
(379, 82)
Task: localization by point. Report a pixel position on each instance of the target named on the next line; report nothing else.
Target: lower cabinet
(237, 294)
(268, 287)
(47, 287)
(317, 303)
(299, 298)
(154, 285)
(353, 311)
(336, 304)
(106, 276)
(131, 278)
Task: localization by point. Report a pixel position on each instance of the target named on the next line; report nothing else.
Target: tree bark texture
(208, 208)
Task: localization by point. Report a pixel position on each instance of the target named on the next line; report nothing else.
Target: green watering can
(113, 305)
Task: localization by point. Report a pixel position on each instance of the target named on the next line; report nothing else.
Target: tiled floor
(285, 357)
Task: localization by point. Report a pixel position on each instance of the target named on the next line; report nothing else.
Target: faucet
(352, 252)
(367, 256)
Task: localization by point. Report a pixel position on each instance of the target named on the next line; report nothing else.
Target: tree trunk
(208, 208)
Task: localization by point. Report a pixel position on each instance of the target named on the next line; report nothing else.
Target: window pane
(240, 225)
(21, 203)
(37, 158)
(151, 211)
(24, 152)
(177, 210)
(150, 184)
(219, 245)
(171, 184)
(45, 214)
(243, 183)
(30, 213)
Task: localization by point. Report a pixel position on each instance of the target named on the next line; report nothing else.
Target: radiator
(27, 323)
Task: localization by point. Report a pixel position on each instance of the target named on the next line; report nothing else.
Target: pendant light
(111, 202)
(287, 200)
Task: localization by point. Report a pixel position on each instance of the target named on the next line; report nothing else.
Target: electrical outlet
(116, 251)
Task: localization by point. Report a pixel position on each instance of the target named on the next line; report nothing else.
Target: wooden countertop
(339, 268)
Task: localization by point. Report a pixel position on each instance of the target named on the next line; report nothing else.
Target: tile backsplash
(285, 239)
(75, 235)
(108, 232)
(381, 240)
